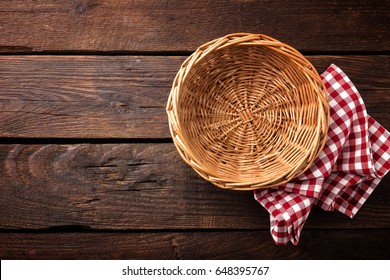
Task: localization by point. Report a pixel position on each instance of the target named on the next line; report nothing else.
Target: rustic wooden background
(87, 166)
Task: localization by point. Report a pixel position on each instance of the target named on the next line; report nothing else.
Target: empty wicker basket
(247, 111)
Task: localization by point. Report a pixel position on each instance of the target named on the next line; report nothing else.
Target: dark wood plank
(315, 244)
(125, 96)
(136, 186)
(154, 25)
(78, 97)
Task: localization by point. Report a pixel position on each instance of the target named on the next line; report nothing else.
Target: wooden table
(87, 166)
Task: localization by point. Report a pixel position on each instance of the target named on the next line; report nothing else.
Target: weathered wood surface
(155, 25)
(136, 186)
(125, 96)
(315, 244)
(76, 75)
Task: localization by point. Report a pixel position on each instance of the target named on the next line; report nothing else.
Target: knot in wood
(80, 8)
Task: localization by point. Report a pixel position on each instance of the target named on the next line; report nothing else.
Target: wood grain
(90, 72)
(315, 244)
(125, 96)
(85, 97)
(154, 25)
(136, 186)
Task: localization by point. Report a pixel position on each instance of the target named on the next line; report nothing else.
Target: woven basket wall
(247, 111)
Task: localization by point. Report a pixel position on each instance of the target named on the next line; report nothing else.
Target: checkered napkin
(355, 158)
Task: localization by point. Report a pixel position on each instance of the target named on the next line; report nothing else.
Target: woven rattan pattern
(247, 111)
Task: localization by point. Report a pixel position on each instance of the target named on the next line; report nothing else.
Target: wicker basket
(247, 112)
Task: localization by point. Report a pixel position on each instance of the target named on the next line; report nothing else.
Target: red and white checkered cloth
(355, 158)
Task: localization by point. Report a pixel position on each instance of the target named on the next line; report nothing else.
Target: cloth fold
(355, 158)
